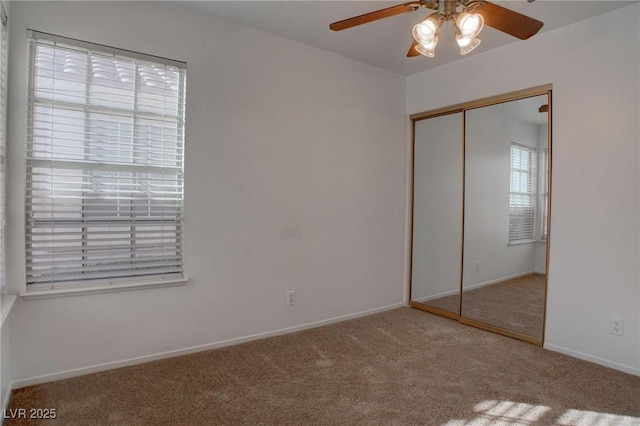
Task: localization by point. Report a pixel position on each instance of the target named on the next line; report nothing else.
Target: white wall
(540, 255)
(437, 207)
(488, 257)
(595, 223)
(295, 179)
(5, 365)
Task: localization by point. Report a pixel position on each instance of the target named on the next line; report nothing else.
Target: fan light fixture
(426, 34)
(466, 26)
(467, 23)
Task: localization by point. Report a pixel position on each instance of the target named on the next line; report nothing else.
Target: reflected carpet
(516, 304)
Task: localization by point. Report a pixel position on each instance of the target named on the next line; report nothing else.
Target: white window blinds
(4, 72)
(105, 149)
(522, 209)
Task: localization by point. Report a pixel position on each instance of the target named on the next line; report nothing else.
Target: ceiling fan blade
(412, 50)
(374, 16)
(508, 21)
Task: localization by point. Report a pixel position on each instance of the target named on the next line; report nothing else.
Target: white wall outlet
(616, 326)
(477, 268)
(291, 297)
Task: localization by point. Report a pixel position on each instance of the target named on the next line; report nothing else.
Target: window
(522, 210)
(4, 72)
(105, 146)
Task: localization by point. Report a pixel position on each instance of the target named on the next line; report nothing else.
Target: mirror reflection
(437, 212)
(505, 215)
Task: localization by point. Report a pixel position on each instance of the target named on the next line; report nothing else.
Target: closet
(481, 198)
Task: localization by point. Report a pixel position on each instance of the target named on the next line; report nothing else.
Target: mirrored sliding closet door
(437, 213)
(481, 197)
(505, 236)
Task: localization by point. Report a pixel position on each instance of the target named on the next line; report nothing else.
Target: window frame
(531, 194)
(136, 170)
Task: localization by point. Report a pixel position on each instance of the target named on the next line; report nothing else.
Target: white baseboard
(437, 296)
(593, 359)
(471, 287)
(146, 358)
(497, 280)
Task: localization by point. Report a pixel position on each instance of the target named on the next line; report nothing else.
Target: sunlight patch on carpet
(589, 418)
(492, 412)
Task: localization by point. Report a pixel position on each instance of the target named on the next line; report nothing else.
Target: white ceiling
(526, 109)
(385, 43)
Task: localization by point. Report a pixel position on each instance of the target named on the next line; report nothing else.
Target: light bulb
(469, 24)
(426, 31)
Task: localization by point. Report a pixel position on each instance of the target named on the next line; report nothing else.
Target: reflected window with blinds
(522, 209)
(105, 161)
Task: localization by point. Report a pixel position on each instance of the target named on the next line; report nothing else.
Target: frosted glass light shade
(466, 44)
(469, 24)
(428, 49)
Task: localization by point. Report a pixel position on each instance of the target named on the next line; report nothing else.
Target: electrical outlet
(616, 326)
(477, 268)
(291, 298)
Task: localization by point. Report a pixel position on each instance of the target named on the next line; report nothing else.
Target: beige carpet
(399, 367)
(516, 304)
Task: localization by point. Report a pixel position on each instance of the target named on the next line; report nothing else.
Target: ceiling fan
(467, 16)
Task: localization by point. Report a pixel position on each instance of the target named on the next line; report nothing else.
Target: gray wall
(437, 218)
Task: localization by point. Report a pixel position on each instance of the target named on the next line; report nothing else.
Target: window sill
(5, 306)
(77, 291)
(517, 243)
